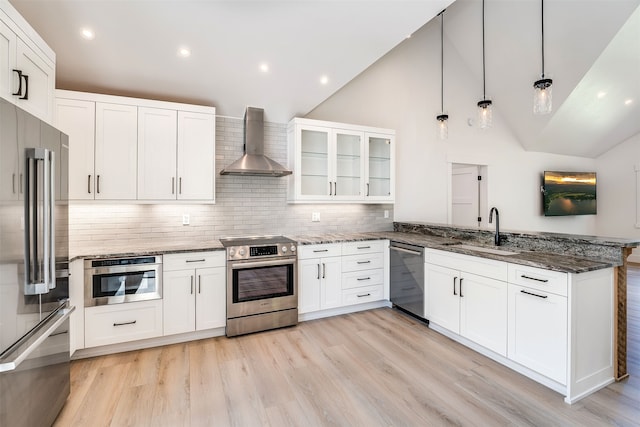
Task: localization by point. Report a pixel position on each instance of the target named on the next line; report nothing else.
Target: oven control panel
(261, 251)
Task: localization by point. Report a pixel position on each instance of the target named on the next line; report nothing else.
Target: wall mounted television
(569, 193)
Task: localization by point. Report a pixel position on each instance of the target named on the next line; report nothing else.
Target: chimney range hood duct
(254, 162)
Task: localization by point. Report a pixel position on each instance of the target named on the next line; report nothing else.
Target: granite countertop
(546, 260)
(540, 259)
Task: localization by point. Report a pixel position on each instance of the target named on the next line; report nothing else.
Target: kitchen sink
(486, 250)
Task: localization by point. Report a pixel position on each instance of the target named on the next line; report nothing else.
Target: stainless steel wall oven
(262, 290)
(118, 280)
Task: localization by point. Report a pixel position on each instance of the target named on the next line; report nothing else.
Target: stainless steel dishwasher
(407, 278)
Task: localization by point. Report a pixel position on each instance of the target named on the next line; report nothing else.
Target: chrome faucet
(497, 238)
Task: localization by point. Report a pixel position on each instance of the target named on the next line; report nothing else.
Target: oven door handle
(270, 263)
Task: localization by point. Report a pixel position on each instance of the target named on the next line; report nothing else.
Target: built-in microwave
(119, 280)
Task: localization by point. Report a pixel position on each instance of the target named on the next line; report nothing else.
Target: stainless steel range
(262, 288)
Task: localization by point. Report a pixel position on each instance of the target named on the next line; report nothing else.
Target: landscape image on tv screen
(569, 193)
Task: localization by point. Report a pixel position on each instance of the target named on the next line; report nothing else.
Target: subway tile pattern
(245, 206)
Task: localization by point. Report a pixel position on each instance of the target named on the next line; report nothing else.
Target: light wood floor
(375, 368)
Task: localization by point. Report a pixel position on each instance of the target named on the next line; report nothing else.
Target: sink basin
(486, 250)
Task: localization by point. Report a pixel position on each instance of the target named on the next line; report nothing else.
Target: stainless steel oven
(262, 289)
(118, 280)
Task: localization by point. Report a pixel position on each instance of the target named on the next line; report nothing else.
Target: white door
(211, 302)
(465, 196)
(349, 164)
(443, 296)
(7, 61)
(41, 83)
(116, 151)
(196, 156)
(77, 120)
(178, 298)
(315, 163)
(157, 154)
(309, 285)
(331, 276)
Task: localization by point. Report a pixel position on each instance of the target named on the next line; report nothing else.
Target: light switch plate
(315, 216)
(185, 219)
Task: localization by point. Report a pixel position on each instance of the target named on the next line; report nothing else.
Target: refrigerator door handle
(14, 358)
(39, 273)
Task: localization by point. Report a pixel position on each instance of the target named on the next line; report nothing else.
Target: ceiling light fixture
(442, 118)
(601, 94)
(264, 67)
(184, 52)
(485, 113)
(87, 33)
(324, 80)
(628, 101)
(542, 88)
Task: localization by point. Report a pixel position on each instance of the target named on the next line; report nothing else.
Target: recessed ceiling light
(264, 67)
(408, 36)
(601, 94)
(87, 33)
(324, 80)
(628, 101)
(184, 52)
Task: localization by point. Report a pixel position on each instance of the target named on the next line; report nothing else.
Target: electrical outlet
(386, 213)
(315, 216)
(185, 219)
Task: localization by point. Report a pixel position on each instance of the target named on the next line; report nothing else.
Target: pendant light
(442, 118)
(542, 87)
(485, 113)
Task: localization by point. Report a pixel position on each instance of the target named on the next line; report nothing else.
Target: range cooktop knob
(293, 248)
(241, 252)
(232, 252)
(284, 249)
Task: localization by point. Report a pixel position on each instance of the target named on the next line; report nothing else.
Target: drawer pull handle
(363, 278)
(364, 295)
(364, 247)
(534, 278)
(320, 250)
(125, 323)
(191, 285)
(318, 272)
(196, 260)
(364, 262)
(532, 294)
(454, 285)
(461, 279)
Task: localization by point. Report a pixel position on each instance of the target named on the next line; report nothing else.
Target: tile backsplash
(244, 206)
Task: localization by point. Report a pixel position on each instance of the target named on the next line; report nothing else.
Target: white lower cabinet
(194, 292)
(538, 331)
(362, 272)
(319, 277)
(118, 323)
(472, 306)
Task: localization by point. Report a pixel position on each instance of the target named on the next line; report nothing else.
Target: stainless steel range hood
(254, 162)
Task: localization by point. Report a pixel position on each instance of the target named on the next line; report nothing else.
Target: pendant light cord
(442, 61)
(484, 84)
(542, 21)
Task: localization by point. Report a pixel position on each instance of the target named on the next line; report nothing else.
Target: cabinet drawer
(362, 295)
(191, 260)
(357, 279)
(362, 262)
(553, 282)
(467, 263)
(366, 247)
(112, 324)
(316, 251)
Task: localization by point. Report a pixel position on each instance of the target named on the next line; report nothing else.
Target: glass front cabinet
(339, 162)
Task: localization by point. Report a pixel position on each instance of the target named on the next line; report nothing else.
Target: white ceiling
(136, 41)
(591, 46)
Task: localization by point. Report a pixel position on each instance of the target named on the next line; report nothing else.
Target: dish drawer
(553, 282)
(362, 262)
(112, 324)
(357, 279)
(362, 294)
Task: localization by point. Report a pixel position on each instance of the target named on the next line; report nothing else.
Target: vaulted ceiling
(592, 53)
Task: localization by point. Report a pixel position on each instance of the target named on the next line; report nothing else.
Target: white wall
(402, 91)
(617, 191)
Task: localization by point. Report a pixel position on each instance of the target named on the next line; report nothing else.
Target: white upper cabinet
(27, 66)
(157, 132)
(136, 149)
(338, 162)
(196, 156)
(116, 151)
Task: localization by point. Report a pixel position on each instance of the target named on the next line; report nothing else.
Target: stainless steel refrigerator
(34, 278)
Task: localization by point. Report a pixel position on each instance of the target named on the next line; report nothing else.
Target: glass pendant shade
(443, 126)
(485, 114)
(542, 91)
